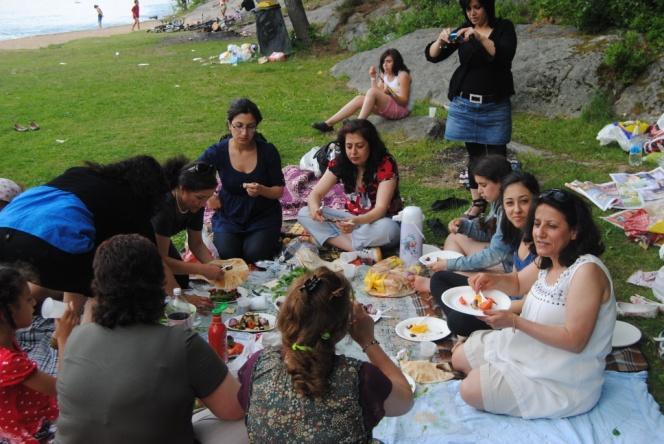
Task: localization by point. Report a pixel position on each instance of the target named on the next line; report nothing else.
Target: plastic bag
(658, 288)
(620, 132)
(309, 161)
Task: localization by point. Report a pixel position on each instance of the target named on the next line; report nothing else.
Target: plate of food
(236, 272)
(430, 258)
(234, 347)
(423, 328)
(388, 279)
(251, 322)
(625, 334)
(218, 295)
(465, 300)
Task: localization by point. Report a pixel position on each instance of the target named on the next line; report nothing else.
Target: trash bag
(271, 31)
(621, 133)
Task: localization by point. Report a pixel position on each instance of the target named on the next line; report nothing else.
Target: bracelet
(373, 342)
(514, 323)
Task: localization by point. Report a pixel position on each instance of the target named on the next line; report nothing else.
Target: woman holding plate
(519, 192)
(547, 362)
(370, 178)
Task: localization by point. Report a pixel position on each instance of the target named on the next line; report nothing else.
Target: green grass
(106, 107)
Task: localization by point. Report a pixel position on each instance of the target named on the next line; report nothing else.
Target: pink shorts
(394, 111)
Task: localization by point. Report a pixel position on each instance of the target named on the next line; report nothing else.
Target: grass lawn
(105, 107)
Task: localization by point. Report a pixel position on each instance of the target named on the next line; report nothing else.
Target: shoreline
(42, 41)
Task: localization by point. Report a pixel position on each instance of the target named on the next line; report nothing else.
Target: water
(25, 18)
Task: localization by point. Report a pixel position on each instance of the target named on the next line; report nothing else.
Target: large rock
(646, 97)
(413, 128)
(555, 71)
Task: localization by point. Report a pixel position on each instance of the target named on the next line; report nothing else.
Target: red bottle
(217, 334)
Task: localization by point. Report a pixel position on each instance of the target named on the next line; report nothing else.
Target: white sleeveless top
(549, 381)
(396, 87)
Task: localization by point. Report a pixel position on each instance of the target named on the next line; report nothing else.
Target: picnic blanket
(36, 342)
(626, 413)
(299, 184)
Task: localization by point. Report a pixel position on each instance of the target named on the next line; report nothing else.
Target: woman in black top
(480, 112)
(191, 185)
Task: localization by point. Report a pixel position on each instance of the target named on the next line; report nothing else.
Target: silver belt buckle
(475, 98)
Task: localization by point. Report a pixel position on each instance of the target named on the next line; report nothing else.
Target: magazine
(604, 195)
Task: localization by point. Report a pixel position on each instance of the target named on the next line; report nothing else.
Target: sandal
(34, 126)
(20, 128)
(477, 203)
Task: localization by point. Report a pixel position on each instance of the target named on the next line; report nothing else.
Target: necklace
(177, 203)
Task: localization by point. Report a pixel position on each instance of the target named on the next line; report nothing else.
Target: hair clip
(310, 284)
(298, 347)
(325, 335)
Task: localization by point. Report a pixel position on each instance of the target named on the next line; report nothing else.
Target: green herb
(616, 432)
(284, 281)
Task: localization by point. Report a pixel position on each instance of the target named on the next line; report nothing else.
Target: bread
(425, 372)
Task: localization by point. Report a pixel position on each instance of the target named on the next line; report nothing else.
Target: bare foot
(422, 284)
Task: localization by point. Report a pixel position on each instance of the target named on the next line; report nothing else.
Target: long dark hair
(511, 234)
(343, 167)
(12, 284)
(398, 65)
(191, 176)
(143, 175)
(315, 315)
(489, 7)
(579, 218)
(128, 280)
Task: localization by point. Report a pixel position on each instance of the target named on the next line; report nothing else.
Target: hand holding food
(346, 226)
(253, 188)
(361, 326)
(212, 272)
(481, 281)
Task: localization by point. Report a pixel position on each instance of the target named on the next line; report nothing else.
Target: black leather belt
(478, 98)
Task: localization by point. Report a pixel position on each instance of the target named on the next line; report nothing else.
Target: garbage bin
(271, 30)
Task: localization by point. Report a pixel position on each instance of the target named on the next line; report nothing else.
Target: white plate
(271, 319)
(428, 248)
(431, 258)
(437, 329)
(625, 334)
(411, 382)
(451, 299)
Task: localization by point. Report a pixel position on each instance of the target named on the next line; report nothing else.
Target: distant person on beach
(100, 15)
(135, 14)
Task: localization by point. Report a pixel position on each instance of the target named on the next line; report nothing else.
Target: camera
(453, 37)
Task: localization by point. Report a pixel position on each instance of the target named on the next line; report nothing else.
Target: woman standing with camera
(480, 112)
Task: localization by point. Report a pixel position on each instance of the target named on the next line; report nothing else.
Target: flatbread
(425, 372)
(234, 277)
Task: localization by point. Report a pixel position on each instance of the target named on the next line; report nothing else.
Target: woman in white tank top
(389, 96)
(545, 356)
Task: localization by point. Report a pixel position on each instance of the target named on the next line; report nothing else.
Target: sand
(42, 41)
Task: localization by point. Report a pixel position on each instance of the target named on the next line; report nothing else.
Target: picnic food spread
(425, 372)
(250, 322)
(388, 278)
(234, 348)
(478, 302)
(418, 329)
(236, 272)
(219, 295)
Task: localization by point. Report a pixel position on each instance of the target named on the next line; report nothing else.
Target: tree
(298, 18)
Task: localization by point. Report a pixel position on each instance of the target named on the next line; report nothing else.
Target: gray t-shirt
(133, 384)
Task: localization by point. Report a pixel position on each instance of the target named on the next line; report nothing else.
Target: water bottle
(178, 311)
(636, 147)
(411, 235)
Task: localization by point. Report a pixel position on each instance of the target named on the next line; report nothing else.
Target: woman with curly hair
(124, 373)
(191, 185)
(370, 178)
(57, 227)
(545, 359)
(390, 94)
(304, 392)
(247, 218)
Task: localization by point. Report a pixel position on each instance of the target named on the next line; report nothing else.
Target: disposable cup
(179, 318)
(427, 350)
(243, 305)
(349, 270)
(52, 308)
(432, 112)
(258, 302)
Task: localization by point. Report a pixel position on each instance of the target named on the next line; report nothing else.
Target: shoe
(20, 128)
(34, 126)
(450, 202)
(437, 227)
(477, 203)
(322, 127)
(372, 254)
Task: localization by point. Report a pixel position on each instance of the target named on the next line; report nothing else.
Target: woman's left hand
(254, 189)
(466, 34)
(346, 226)
(498, 319)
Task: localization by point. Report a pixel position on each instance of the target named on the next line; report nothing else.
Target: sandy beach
(42, 41)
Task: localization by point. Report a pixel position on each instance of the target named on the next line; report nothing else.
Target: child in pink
(27, 396)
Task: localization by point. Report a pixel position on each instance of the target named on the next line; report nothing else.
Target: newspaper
(604, 195)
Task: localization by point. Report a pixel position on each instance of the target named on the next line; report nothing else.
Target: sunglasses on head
(199, 168)
(555, 194)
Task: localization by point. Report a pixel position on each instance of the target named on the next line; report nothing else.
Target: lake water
(25, 18)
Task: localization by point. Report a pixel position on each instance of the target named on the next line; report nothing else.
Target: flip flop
(20, 128)
(34, 126)
(450, 202)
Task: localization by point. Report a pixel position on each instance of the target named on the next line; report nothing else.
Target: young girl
(304, 392)
(28, 395)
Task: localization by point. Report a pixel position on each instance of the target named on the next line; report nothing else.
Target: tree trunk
(298, 18)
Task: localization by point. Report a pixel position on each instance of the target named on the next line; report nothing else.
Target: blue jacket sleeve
(495, 253)
(472, 229)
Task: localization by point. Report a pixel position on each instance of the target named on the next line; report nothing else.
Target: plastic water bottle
(411, 235)
(636, 147)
